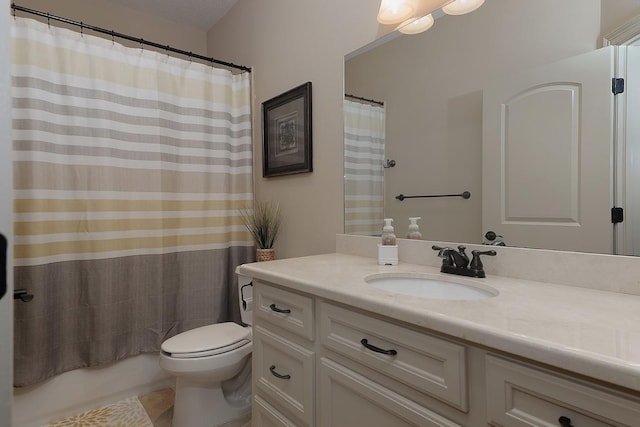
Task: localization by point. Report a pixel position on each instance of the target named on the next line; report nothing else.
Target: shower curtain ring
(81, 29)
(113, 38)
(48, 20)
(141, 44)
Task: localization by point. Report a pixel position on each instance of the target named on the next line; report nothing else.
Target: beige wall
(289, 43)
(113, 16)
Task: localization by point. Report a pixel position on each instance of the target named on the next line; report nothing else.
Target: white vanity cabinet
(319, 362)
(311, 367)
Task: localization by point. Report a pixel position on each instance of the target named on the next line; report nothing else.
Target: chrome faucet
(457, 262)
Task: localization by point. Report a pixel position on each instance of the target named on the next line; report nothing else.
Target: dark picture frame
(287, 145)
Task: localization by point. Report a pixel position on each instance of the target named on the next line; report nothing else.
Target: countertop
(589, 332)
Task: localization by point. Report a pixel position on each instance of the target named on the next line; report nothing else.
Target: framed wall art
(287, 133)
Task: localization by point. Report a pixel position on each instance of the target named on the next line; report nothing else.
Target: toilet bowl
(204, 360)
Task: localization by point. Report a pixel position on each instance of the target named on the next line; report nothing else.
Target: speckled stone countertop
(590, 332)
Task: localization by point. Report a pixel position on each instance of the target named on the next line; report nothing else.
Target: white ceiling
(201, 14)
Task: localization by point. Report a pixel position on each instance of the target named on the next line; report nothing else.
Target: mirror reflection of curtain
(364, 135)
(129, 171)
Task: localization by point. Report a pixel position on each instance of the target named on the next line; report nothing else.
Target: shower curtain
(364, 139)
(129, 170)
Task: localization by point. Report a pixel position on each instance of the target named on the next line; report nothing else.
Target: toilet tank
(245, 299)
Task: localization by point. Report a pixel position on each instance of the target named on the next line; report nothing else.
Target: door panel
(547, 145)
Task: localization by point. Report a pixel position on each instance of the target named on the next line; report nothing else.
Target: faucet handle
(476, 262)
(445, 253)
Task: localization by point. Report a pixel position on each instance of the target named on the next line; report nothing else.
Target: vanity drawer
(520, 395)
(288, 310)
(284, 371)
(432, 365)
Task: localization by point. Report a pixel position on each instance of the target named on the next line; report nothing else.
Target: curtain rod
(113, 34)
(373, 101)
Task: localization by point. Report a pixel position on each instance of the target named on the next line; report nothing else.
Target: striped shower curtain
(129, 171)
(364, 130)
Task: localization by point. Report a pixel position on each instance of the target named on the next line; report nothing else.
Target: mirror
(432, 87)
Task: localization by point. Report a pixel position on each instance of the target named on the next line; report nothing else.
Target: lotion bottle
(388, 236)
(414, 231)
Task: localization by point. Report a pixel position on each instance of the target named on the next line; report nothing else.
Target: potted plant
(263, 222)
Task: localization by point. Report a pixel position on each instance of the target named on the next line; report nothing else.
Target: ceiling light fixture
(395, 11)
(460, 7)
(416, 26)
(414, 16)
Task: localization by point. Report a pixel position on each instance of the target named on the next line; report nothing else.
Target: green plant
(263, 222)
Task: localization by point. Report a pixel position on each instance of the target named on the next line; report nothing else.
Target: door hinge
(617, 215)
(617, 85)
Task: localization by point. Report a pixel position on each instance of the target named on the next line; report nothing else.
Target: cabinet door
(265, 415)
(283, 371)
(349, 399)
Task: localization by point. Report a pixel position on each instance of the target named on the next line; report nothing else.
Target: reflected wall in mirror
(433, 86)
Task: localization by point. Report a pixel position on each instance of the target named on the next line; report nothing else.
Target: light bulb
(395, 11)
(460, 7)
(417, 25)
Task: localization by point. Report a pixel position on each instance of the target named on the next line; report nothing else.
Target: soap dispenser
(388, 236)
(387, 248)
(414, 231)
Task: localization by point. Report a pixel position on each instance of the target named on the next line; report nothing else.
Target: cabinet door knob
(565, 422)
(365, 343)
(279, 310)
(272, 369)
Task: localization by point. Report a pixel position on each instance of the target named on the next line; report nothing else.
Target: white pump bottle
(414, 231)
(388, 236)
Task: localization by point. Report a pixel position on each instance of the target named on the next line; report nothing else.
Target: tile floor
(149, 410)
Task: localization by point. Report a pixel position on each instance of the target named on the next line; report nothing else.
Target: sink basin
(424, 286)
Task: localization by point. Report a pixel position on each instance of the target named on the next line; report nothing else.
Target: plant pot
(265, 254)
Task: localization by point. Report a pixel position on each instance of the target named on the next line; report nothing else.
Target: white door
(6, 302)
(547, 155)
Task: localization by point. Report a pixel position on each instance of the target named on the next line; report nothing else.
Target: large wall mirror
(511, 103)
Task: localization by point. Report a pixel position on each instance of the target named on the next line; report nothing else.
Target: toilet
(212, 366)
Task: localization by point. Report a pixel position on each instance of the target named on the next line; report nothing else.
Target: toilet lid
(207, 340)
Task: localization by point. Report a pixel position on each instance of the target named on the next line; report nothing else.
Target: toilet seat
(207, 340)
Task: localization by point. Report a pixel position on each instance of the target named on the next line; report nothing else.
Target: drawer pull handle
(565, 422)
(279, 310)
(365, 343)
(272, 369)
